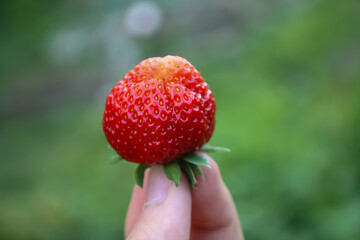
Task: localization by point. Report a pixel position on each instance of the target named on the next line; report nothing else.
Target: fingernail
(158, 186)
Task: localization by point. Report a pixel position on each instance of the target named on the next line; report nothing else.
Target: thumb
(167, 210)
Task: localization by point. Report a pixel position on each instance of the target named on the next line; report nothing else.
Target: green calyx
(114, 157)
(189, 163)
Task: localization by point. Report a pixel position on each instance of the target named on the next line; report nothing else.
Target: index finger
(214, 215)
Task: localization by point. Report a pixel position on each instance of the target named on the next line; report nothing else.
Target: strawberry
(160, 112)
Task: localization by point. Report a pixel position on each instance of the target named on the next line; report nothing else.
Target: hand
(162, 211)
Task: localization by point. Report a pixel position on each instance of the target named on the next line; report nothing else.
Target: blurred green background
(286, 77)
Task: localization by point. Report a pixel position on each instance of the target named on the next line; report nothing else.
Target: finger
(214, 214)
(136, 204)
(167, 209)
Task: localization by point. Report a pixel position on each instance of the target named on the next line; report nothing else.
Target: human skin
(162, 211)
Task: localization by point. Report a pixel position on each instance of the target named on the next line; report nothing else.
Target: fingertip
(211, 173)
(213, 208)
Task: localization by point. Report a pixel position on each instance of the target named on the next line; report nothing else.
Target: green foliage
(196, 159)
(139, 174)
(286, 80)
(210, 149)
(187, 169)
(173, 172)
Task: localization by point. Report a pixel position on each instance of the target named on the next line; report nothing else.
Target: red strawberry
(159, 111)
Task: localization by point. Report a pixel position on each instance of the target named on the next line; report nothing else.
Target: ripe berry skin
(160, 110)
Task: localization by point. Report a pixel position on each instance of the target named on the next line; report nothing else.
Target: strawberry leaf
(196, 158)
(111, 148)
(197, 170)
(173, 172)
(139, 174)
(187, 169)
(114, 156)
(209, 149)
(115, 159)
